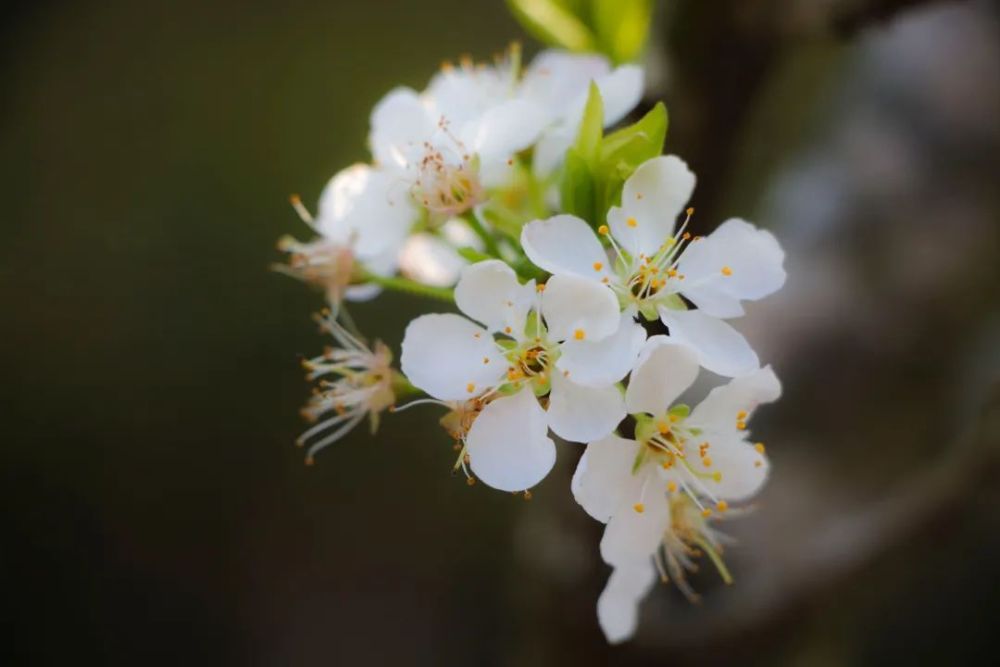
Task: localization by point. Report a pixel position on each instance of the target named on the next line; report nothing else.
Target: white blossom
(651, 265)
(355, 381)
(361, 225)
(566, 343)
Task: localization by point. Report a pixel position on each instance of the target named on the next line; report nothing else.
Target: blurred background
(156, 510)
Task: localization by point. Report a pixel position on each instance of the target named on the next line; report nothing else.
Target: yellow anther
(486, 360)
(759, 447)
(603, 230)
(477, 335)
(598, 266)
(639, 507)
(507, 330)
(686, 236)
(527, 495)
(690, 211)
(717, 477)
(663, 427)
(741, 425)
(668, 464)
(722, 505)
(471, 387)
(579, 334)
(605, 280)
(513, 375)
(540, 287)
(726, 271)
(673, 419)
(757, 464)
(707, 461)
(631, 222)
(672, 487)
(470, 481)
(742, 414)
(706, 512)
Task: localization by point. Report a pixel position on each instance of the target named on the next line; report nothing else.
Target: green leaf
(621, 27)
(577, 186)
(651, 128)
(553, 23)
(588, 139)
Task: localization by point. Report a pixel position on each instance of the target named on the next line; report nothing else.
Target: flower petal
(565, 244)
(618, 604)
(631, 535)
(736, 261)
(741, 394)
(559, 81)
(582, 414)
(430, 260)
(743, 469)
(506, 129)
(362, 206)
(450, 357)
(508, 445)
(721, 348)
(606, 361)
(578, 308)
(665, 368)
(489, 292)
(621, 91)
(652, 199)
(603, 477)
(400, 124)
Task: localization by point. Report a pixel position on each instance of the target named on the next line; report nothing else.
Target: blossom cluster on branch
(587, 308)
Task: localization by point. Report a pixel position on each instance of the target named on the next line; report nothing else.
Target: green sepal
(621, 27)
(577, 187)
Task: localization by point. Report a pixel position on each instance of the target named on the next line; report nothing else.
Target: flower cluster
(587, 308)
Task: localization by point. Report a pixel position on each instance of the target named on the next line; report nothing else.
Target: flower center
(448, 177)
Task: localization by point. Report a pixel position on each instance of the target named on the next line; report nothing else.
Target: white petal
(665, 368)
(581, 414)
(751, 258)
(565, 244)
(559, 81)
(430, 260)
(606, 361)
(630, 535)
(621, 91)
(365, 206)
(507, 444)
(618, 604)
(603, 477)
(489, 292)
(551, 148)
(743, 469)
(652, 199)
(741, 394)
(507, 129)
(578, 308)
(400, 124)
(450, 358)
(721, 348)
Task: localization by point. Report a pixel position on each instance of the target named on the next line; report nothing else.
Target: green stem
(407, 286)
(488, 241)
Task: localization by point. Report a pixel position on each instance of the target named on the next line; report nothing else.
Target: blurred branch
(720, 56)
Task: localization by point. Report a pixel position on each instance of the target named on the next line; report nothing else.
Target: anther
(706, 512)
(632, 222)
(639, 507)
(471, 387)
(742, 414)
(579, 334)
(527, 495)
(741, 425)
(603, 230)
(722, 505)
(470, 480)
(726, 271)
(672, 487)
(759, 447)
(598, 266)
